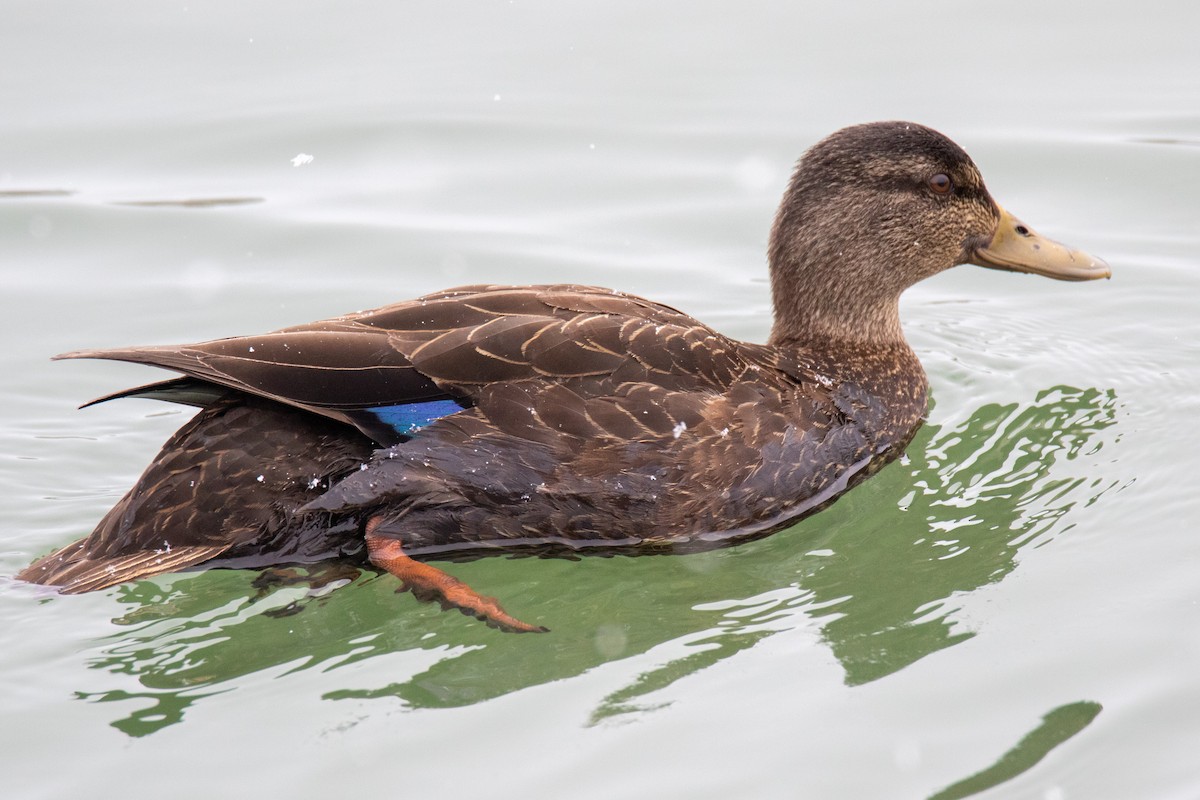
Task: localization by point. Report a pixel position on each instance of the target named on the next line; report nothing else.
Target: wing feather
(451, 345)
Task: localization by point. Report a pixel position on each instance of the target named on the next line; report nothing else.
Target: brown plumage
(490, 418)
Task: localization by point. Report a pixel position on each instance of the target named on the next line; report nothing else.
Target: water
(1014, 607)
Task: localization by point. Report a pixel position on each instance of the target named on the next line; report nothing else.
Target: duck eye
(941, 183)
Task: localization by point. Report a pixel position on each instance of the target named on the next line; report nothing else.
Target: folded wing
(439, 352)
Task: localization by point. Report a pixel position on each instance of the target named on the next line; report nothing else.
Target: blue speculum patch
(408, 418)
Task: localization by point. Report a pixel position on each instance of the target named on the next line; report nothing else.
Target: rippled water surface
(1013, 609)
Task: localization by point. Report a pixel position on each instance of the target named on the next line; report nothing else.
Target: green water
(1010, 612)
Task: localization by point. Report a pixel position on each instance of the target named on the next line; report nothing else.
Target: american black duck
(501, 418)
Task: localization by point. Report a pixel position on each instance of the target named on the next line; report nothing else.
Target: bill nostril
(1021, 229)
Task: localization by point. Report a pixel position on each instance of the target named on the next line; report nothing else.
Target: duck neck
(834, 303)
(851, 342)
(836, 312)
(827, 282)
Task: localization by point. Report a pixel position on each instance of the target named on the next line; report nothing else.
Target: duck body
(561, 417)
(667, 435)
(655, 433)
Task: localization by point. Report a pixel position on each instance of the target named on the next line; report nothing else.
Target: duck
(564, 419)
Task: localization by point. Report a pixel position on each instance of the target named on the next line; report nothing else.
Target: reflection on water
(979, 493)
(21, 194)
(879, 571)
(195, 202)
(1057, 727)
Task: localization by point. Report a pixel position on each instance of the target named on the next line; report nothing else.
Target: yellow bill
(1017, 248)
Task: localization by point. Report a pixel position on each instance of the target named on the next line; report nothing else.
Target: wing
(440, 351)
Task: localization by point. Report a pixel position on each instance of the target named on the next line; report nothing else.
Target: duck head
(874, 208)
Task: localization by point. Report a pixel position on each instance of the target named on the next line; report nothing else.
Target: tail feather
(74, 570)
(222, 488)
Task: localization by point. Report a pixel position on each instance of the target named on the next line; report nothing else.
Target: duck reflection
(879, 572)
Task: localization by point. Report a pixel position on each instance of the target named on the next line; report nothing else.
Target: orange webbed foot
(430, 583)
